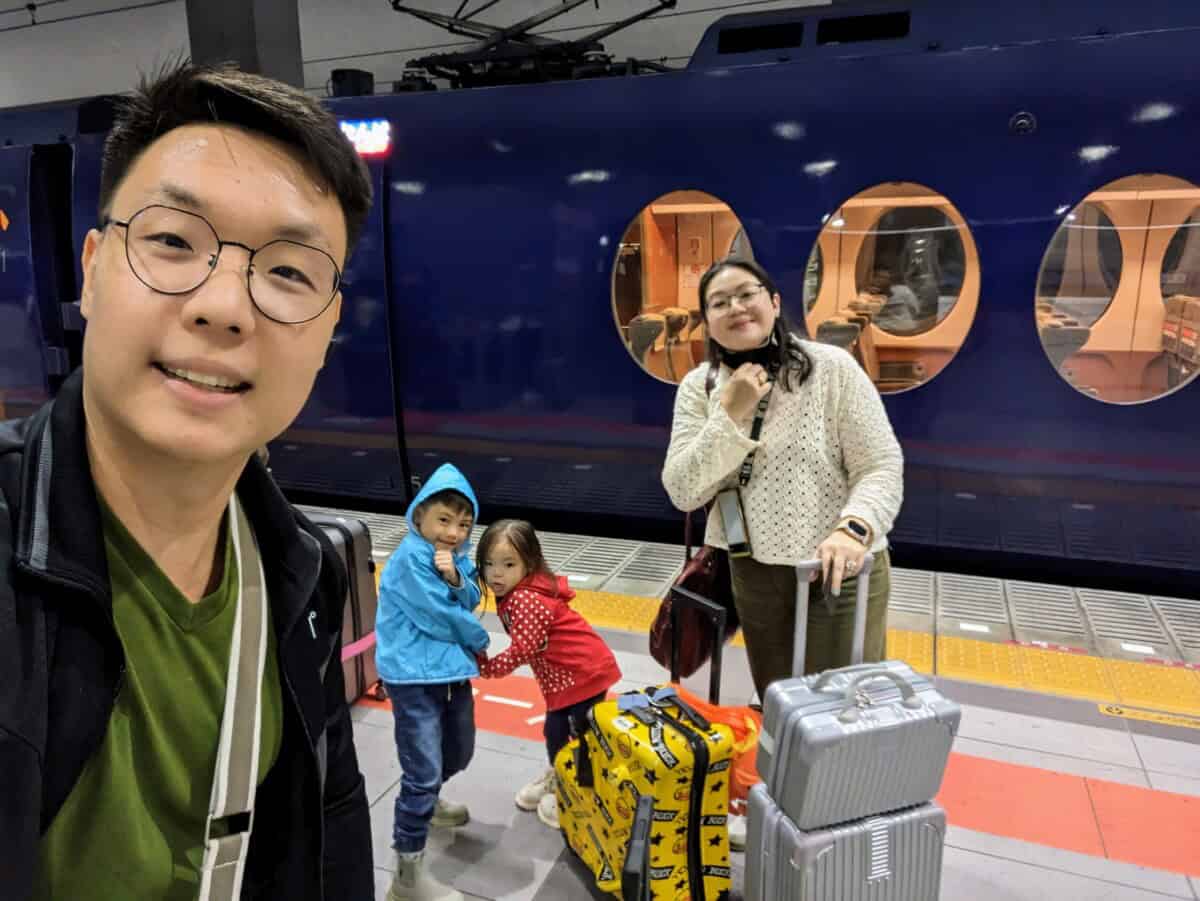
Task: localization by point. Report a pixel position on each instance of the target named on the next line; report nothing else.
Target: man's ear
(337, 317)
(87, 261)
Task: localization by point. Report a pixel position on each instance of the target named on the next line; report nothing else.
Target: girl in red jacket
(573, 665)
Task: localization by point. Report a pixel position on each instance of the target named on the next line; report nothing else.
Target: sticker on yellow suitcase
(650, 743)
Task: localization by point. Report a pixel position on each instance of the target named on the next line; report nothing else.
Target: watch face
(857, 529)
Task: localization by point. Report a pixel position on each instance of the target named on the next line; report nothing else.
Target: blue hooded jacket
(425, 630)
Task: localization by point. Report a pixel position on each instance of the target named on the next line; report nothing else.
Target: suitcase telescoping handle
(635, 873)
(717, 615)
(803, 572)
(907, 691)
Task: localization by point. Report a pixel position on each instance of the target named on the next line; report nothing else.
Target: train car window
(855, 29)
(894, 278)
(1117, 305)
(760, 37)
(656, 276)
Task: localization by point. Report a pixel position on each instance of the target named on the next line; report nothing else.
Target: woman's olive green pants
(765, 597)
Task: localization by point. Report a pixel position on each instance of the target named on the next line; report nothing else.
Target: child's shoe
(447, 813)
(529, 797)
(548, 810)
(737, 832)
(413, 882)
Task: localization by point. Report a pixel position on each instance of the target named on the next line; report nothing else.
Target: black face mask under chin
(761, 355)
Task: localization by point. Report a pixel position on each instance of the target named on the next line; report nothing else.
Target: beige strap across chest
(236, 777)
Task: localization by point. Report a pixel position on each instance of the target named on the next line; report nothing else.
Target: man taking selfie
(172, 716)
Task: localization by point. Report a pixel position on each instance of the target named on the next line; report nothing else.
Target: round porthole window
(894, 278)
(1118, 293)
(656, 278)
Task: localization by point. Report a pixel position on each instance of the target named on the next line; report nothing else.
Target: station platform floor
(1075, 772)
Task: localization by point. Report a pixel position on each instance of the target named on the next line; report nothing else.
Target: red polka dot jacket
(571, 662)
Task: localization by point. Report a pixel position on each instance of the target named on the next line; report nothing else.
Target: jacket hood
(444, 477)
(556, 586)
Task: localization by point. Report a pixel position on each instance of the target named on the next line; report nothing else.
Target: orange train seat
(1061, 340)
(853, 333)
(839, 332)
(644, 330)
(1172, 318)
(677, 351)
(1189, 325)
(655, 339)
(864, 347)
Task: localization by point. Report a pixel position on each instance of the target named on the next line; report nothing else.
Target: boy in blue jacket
(427, 638)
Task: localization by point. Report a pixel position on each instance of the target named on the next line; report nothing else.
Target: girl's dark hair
(524, 541)
(788, 359)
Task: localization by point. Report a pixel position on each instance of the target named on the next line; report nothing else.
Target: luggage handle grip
(666, 697)
(850, 715)
(814, 565)
(800, 638)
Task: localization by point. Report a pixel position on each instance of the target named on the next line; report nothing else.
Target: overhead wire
(75, 18)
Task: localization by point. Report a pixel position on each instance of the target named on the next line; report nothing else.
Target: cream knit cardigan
(827, 450)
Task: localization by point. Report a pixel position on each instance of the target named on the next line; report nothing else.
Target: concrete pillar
(261, 36)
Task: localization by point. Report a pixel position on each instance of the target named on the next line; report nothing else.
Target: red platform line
(1022, 802)
(1154, 829)
(1135, 825)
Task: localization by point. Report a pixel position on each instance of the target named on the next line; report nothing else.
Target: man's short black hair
(184, 94)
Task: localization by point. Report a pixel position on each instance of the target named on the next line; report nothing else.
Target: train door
(347, 440)
(35, 275)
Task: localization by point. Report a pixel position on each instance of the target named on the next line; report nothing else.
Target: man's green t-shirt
(133, 825)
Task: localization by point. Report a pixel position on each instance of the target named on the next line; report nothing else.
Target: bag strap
(235, 780)
(760, 412)
(667, 697)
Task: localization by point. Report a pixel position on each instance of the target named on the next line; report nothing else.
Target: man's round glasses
(172, 251)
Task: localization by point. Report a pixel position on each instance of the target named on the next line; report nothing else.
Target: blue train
(994, 208)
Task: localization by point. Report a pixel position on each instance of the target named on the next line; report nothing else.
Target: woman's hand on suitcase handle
(841, 557)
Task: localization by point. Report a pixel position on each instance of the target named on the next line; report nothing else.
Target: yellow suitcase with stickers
(650, 743)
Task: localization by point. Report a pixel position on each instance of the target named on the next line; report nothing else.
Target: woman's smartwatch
(856, 529)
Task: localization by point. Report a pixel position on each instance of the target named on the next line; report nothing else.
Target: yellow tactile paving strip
(979, 661)
(1082, 676)
(1158, 687)
(914, 648)
(1074, 675)
(616, 611)
(1146, 685)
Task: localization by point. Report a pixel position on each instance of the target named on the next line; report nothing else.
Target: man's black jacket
(62, 663)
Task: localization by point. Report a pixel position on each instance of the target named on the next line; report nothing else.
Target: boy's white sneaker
(547, 810)
(529, 797)
(413, 882)
(449, 814)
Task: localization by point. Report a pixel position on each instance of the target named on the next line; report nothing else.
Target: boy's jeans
(435, 738)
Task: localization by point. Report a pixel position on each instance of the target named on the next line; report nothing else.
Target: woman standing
(825, 478)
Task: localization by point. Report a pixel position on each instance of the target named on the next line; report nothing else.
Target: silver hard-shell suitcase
(894, 857)
(856, 741)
